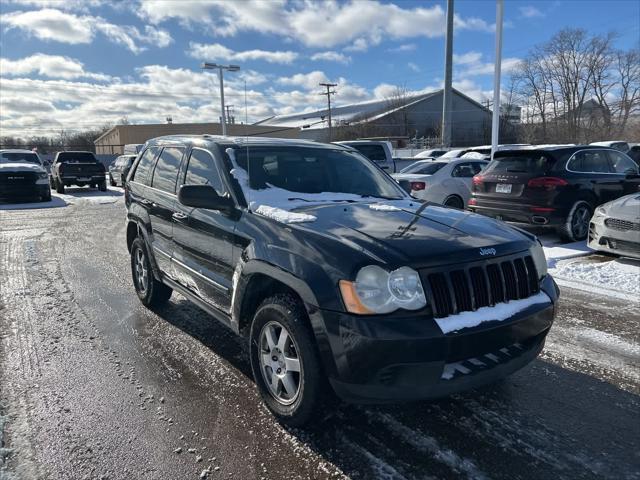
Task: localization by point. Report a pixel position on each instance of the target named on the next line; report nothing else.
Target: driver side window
(622, 164)
(203, 170)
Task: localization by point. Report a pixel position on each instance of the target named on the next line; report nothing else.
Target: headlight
(539, 260)
(379, 291)
(43, 176)
(601, 211)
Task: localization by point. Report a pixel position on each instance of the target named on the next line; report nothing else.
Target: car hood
(411, 233)
(21, 167)
(626, 208)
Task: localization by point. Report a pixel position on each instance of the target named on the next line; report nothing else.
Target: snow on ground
(554, 253)
(72, 196)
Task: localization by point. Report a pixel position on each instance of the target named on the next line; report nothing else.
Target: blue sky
(82, 63)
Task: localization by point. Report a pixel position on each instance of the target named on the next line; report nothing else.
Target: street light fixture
(220, 68)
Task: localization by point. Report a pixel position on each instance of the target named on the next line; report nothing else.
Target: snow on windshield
(277, 203)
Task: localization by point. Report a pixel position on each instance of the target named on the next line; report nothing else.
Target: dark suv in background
(385, 297)
(77, 168)
(558, 186)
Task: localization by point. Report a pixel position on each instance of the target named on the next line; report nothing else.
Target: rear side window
(464, 170)
(143, 170)
(166, 173)
(203, 170)
(424, 169)
(622, 164)
(532, 163)
(372, 152)
(590, 161)
(76, 157)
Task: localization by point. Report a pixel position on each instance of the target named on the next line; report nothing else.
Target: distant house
(412, 116)
(114, 139)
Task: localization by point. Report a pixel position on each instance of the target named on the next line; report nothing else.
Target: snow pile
(619, 278)
(277, 203)
(554, 253)
(284, 216)
(383, 207)
(499, 312)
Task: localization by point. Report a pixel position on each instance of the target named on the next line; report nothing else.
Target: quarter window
(463, 170)
(203, 170)
(145, 165)
(590, 161)
(166, 172)
(622, 164)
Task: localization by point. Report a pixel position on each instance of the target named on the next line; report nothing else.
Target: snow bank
(619, 278)
(499, 312)
(554, 253)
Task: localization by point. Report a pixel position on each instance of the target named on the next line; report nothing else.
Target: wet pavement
(93, 385)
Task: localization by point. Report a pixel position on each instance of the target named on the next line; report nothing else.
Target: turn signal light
(550, 183)
(418, 185)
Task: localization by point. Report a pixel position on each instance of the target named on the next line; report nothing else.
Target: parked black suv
(77, 168)
(554, 186)
(332, 271)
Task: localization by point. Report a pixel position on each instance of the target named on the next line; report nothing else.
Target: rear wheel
(576, 226)
(47, 196)
(59, 186)
(151, 292)
(102, 186)
(454, 201)
(284, 359)
(112, 182)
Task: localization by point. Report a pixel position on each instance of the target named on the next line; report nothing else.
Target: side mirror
(204, 196)
(405, 185)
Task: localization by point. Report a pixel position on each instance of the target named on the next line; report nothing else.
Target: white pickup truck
(380, 152)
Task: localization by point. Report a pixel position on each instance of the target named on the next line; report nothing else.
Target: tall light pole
(495, 119)
(220, 68)
(447, 94)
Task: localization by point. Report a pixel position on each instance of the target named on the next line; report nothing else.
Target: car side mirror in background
(204, 196)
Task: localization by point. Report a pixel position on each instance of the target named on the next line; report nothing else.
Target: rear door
(628, 170)
(463, 174)
(161, 195)
(595, 172)
(203, 254)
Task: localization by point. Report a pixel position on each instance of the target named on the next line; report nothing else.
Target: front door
(203, 253)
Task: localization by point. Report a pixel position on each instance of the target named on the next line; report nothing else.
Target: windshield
(19, 157)
(76, 157)
(424, 168)
(530, 163)
(311, 174)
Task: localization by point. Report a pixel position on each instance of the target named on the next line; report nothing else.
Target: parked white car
(444, 182)
(431, 153)
(615, 227)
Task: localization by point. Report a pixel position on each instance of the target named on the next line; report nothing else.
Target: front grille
(467, 289)
(18, 178)
(622, 225)
(623, 245)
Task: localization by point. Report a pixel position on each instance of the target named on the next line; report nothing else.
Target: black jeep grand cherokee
(332, 272)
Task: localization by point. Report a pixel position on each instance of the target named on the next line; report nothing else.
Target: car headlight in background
(43, 178)
(378, 291)
(539, 259)
(601, 211)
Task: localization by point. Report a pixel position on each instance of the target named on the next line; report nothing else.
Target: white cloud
(529, 11)
(413, 67)
(358, 45)
(53, 66)
(354, 23)
(216, 51)
(406, 47)
(472, 64)
(331, 56)
(309, 80)
(55, 25)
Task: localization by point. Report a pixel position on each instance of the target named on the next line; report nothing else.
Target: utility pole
(447, 94)
(230, 118)
(495, 119)
(328, 93)
(220, 68)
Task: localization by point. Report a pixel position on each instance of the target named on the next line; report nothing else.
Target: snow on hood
(21, 167)
(384, 207)
(277, 203)
(475, 155)
(499, 312)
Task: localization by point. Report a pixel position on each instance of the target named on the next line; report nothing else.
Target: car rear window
(372, 152)
(76, 157)
(424, 168)
(534, 163)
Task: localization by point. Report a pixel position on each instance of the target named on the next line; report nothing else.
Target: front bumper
(618, 242)
(22, 191)
(382, 359)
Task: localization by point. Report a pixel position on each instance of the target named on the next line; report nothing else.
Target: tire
(576, 226)
(454, 201)
(47, 197)
(112, 182)
(151, 292)
(102, 186)
(59, 186)
(293, 405)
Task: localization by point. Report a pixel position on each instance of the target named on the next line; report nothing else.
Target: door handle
(179, 216)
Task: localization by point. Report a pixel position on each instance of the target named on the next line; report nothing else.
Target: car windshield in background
(19, 157)
(76, 157)
(427, 168)
(305, 170)
(530, 163)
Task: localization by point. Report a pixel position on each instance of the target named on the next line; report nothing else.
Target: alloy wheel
(280, 364)
(141, 272)
(580, 222)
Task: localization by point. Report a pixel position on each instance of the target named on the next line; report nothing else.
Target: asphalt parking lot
(93, 385)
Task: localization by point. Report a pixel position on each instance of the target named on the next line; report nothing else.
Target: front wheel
(576, 226)
(59, 186)
(151, 292)
(102, 186)
(284, 359)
